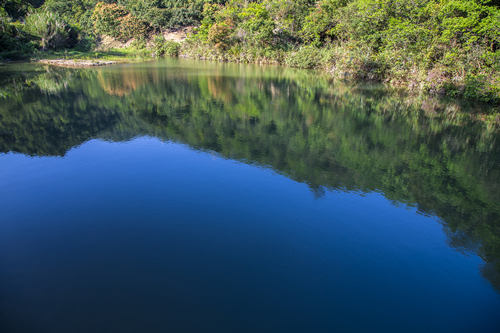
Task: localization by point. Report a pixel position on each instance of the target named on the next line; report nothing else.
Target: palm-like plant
(52, 30)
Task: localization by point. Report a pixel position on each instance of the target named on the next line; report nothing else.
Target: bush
(161, 14)
(132, 27)
(139, 44)
(53, 31)
(319, 25)
(478, 87)
(115, 21)
(257, 26)
(14, 42)
(183, 12)
(107, 18)
(305, 57)
(164, 47)
(219, 35)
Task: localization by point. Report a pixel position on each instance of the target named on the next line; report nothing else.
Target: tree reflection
(420, 152)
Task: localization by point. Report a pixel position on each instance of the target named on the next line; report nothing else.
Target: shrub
(74, 12)
(477, 87)
(139, 44)
(53, 31)
(15, 8)
(107, 18)
(164, 47)
(319, 25)
(115, 21)
(132, 27)
(14, 42)
(184, 12)
(166, 13)
(257, 25)
(219, 35)
(289, 16)
(305, 57)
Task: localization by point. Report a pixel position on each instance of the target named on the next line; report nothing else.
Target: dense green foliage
(14, 41)
(423, 154)
(53, 31)
(55, 24)
(164, 47)
(116, 21)
(440, 46)
(166, 13)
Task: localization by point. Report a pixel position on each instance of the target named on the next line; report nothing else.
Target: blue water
(152, 235)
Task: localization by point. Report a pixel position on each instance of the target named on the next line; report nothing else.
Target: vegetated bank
(445, 47)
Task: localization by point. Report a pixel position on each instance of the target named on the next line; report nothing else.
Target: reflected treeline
(419, 152)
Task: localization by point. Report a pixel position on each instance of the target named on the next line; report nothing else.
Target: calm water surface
(180, 196)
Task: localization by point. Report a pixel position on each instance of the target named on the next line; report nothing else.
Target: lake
(189, 196)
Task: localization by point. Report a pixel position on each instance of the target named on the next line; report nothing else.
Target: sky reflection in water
(194, 196)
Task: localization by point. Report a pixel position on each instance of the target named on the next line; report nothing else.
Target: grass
(130, 54)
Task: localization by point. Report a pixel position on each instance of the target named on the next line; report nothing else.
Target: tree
(53, 31)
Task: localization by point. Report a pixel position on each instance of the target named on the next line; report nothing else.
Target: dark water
(178, 196)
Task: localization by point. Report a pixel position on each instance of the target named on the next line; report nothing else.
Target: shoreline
(342, 64)
(76, 63)
(124, 55)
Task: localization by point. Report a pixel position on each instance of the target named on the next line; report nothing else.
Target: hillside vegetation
(442, 47)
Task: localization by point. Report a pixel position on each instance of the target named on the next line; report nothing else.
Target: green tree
(52, 30)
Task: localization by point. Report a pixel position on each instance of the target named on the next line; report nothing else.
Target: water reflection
(420, 152)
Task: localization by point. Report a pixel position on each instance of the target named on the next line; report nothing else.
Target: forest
(442, 47)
